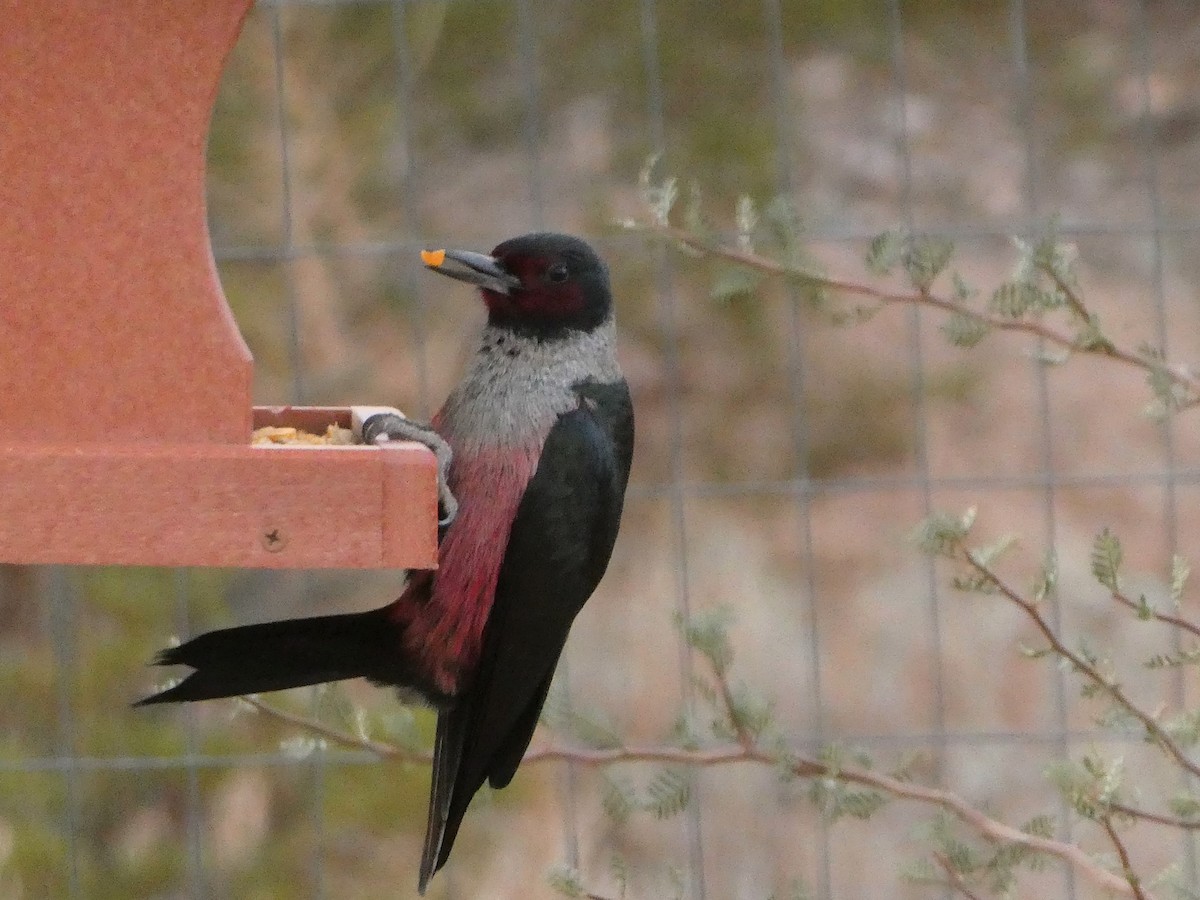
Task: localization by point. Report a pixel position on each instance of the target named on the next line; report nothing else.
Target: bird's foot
(388, 426)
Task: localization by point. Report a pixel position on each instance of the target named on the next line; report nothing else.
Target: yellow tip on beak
(433, 258)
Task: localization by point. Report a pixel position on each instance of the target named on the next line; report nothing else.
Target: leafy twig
(1069, 293)
(923, 297)
(1155, 818)
(1158, 616)
(319, 728)
(989, 828)
(1154, 731)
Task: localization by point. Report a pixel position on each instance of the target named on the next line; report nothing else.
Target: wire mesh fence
(782, 461)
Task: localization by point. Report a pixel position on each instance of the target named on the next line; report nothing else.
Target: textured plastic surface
(214, 505)
(125, 405)
(114, 324)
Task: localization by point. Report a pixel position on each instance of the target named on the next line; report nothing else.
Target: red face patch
(548, 290)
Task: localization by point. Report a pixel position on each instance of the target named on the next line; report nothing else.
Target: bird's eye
(557, 273)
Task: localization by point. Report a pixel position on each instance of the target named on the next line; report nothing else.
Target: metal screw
(274, 540)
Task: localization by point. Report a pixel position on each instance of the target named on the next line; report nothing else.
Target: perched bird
(541, 430)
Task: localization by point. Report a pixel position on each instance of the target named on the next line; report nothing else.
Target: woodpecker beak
(474, 268)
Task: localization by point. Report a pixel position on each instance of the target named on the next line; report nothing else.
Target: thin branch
(1169, 619)
(744, 738)
(954, 878)
(1155, 818)
(983, 824)
(800, 767)
(1126, 866)
(1073, 299)
(1153, 729)
(1067, 342)
(345, 739)
(991, 829)
(588, 757)
(747, 750)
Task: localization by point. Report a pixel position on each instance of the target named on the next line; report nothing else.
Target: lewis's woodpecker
(541, 430)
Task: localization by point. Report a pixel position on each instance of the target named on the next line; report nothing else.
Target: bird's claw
(391, 427)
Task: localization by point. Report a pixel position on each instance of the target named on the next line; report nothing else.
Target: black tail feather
(447, 755)
(292, 653)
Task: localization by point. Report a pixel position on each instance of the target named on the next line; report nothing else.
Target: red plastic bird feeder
(125, 409)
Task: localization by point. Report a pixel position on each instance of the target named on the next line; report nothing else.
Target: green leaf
(1040, 826)
(747, 221)
(1046, 585)
(1118, 718)
(886, 251)
(965, 330)
(1106, 560)
(942, 534)
(786, 225)
(1034, 652)
(1078, 786)
(926, 258)
(560, 714)
(1169, 396)
(921, 871)
(1184, 728)
(705, 688)
(1178, 882)
(1048, 356)
(734, 284)
(668, 793)
(854, 315)
(659, 197)
(618, 799)
(751, 712)
(1186, 806)
(861, 804)
(685, 732)
(1189, 656)
(1013, 299)
(619, 867)
(1044, 301)
(565, 880)
(1090, 339)
(992, 552)
(1057, 259)
(832, 757)
(1025, 269)
(974, 583)
(903, 770)
(809, 289)
(963, 292)
(1142, 608)
(1180, 570)
(708, 633)
(836, 800)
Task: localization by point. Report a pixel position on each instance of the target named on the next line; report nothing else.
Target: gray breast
(516, 387)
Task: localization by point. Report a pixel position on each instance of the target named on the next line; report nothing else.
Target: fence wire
(718, 847)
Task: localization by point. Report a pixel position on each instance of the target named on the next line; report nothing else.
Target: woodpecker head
(543, 285)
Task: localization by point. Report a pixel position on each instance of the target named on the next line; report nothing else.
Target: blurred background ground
(781, 462)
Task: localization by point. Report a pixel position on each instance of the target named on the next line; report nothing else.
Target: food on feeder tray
(274, 434)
